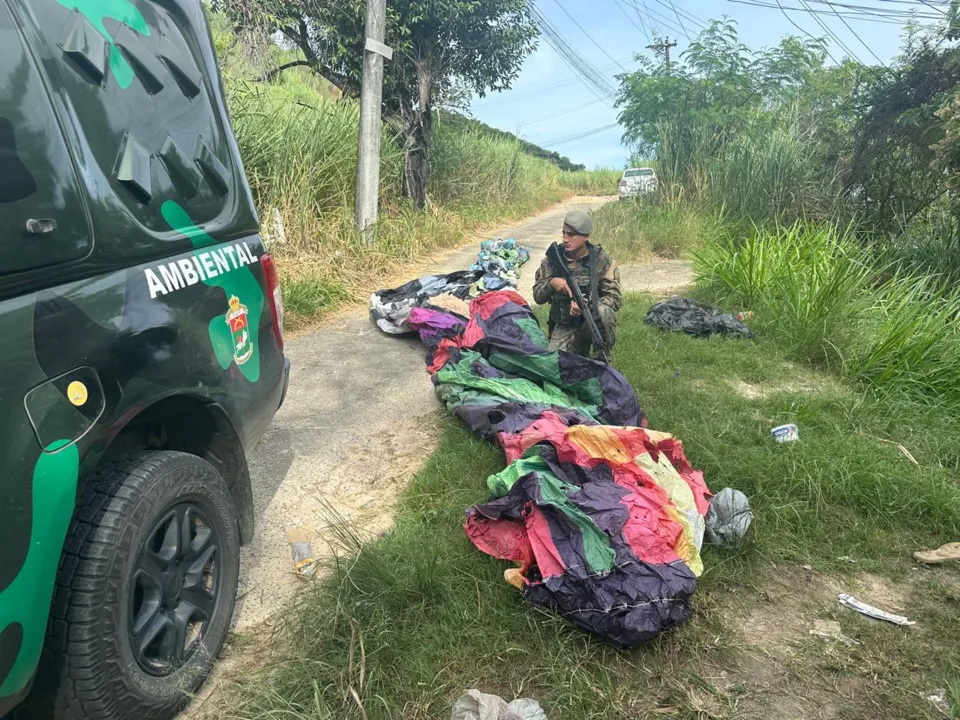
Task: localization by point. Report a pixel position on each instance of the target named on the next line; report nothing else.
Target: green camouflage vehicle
(142, 358)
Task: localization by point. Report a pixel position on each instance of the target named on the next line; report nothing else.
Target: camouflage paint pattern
(135, 162)
(96, 11)
(54, 490)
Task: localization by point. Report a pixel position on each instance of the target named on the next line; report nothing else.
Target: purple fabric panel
(628, 606)
(620, 405)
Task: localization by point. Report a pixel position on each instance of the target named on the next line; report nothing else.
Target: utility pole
(371, 98)
(663, 46)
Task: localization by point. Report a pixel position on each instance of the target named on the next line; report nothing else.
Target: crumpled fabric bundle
(475, 705)
(604, 517)
(500, 262)
(606, 524)
(695, 318)
(497, 268)
(390, 309)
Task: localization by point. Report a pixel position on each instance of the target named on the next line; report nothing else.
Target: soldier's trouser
(576, 338)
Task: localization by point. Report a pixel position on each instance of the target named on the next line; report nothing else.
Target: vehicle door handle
(41, 226)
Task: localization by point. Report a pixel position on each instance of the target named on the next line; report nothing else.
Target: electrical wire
(589, 36)
(579, 136)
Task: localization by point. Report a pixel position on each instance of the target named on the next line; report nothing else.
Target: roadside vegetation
(298, 141)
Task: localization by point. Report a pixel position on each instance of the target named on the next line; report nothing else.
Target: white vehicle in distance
(636, 182)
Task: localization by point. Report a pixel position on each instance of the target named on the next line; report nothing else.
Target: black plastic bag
(694, 318)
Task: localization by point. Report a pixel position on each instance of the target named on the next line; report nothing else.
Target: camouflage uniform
(571, 333)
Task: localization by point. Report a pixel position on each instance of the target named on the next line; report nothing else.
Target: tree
(444, 50)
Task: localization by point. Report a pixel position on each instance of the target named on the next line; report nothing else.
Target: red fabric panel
(487, 304)
(548, 557)
(502, 539)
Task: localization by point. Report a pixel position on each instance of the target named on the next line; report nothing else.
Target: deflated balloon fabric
(604, 517)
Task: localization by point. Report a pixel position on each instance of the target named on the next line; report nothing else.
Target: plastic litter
(728, 518)
(786, 433)
(940, 701)
(870, 611)
(695, 318)
(475, 705)
(831, 630)
(944, 553)
(304, 561)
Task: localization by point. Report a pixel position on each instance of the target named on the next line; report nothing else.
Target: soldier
(598, 278)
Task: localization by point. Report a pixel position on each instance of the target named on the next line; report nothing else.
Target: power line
(592, 78)
(633, 22)
(854, 33)
(589, 36)
(682, 26)
(515, 97)
(578, 136)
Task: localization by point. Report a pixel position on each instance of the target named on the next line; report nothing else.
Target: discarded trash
(475, 705)
(944, 553)
(742, 316)
(786, 433)
(304, 562)
(870, 611)
(940, 701)
(728, 518)
(846, 558)
(694, 318)
(831, 630)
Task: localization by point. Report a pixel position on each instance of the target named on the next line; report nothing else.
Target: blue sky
(548, 103)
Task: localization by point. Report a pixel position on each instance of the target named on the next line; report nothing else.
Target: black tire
(89, 667)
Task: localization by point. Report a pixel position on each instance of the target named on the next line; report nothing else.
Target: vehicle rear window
(638, 172)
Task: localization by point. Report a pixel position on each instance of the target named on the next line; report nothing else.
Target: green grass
(591, 182)
(407, 622)
(827, 301)
(637, 230)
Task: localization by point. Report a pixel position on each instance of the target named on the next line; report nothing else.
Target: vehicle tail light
(274, 294)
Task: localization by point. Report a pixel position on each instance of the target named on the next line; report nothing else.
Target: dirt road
(359, 420)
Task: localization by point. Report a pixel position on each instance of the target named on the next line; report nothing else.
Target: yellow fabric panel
(599, 441)
(684, 505)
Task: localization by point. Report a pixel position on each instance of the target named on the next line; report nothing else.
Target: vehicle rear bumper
(286, 381)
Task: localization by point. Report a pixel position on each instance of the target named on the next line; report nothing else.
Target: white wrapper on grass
(863, 608)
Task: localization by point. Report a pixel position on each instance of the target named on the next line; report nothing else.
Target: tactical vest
(586, 272)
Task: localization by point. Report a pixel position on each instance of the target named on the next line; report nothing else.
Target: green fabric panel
(502, 482)
(590, 390)
(516, 389)
(599, 552)
(596, 545)
(533, 330)
(540, 367)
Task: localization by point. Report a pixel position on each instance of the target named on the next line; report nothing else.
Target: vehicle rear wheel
(145, 591)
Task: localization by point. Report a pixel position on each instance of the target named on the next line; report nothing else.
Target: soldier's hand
(560, 285)
(574, 310)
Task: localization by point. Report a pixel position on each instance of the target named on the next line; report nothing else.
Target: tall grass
(761, 171)
(591, 182)
(637, 230)
(914, 343)
(808, 284)
(822, 295)
(469, 166)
